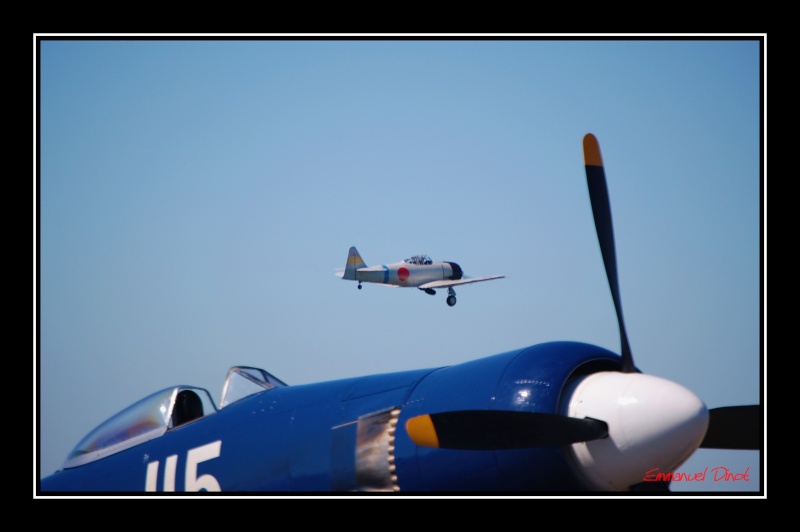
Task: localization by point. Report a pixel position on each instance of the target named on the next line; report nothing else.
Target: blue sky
(197, 196)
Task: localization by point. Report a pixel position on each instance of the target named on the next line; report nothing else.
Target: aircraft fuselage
(406, 274)
(350, 435)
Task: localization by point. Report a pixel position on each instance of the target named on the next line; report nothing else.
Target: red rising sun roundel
(402, 273)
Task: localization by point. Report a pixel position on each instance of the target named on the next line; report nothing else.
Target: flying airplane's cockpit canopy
(165, 410)
(419, 259)
(145, 420)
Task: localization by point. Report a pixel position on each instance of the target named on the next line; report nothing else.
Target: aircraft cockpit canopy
(143, 421)
(165, 410)
(243, 381)
(419, 259)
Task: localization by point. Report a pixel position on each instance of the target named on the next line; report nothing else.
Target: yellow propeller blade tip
(422, 432)
(591, 151)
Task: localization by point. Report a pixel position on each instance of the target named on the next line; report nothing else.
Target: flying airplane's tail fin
(354, 262)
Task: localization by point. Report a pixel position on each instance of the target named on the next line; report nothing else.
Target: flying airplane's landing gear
(451, 297)
(359, 285)
(430, 291)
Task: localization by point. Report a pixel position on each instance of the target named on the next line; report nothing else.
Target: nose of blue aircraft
(654, 425)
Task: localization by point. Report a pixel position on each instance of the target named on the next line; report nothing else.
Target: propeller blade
(601, 208)
(734, 427)
(483, 430)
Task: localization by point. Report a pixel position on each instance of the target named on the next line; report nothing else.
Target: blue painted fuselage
(349, 435)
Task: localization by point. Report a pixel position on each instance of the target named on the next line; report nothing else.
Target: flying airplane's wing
(447, 283)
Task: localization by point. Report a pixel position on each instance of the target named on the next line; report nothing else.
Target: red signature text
(718, 474)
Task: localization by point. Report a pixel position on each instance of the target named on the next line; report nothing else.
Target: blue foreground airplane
(561, 417)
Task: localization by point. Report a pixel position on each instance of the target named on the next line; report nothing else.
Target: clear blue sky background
(197, 196)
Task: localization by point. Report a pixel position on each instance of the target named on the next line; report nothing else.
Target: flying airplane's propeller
(624, 422)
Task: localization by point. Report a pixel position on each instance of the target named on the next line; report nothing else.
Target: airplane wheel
(359, 287)
(451, 300)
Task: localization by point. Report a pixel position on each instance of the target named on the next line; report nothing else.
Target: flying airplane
(561, 417)
(418, 271)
